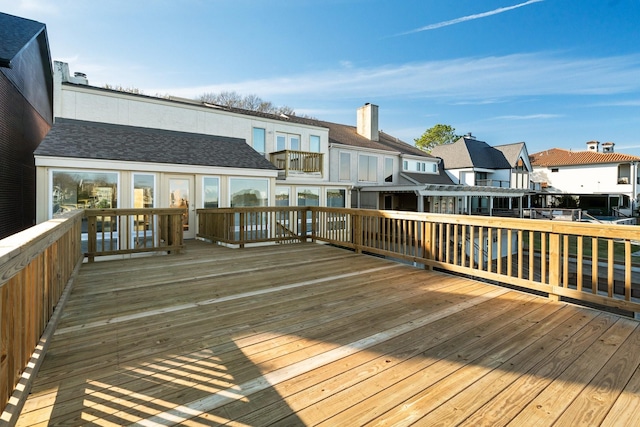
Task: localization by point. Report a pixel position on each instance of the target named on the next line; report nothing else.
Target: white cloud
(528, 117)
(464, 80)
(469, 17)
(30, 9)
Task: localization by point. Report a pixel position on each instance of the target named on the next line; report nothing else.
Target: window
(286, 141)
(314, 143)
(294, 142)
(388, 169)
(210, 192)
(308, 197)
(336, 198)
(434, 168)
(554, 169)
(624, 173)
(259, 140)
(282, 196)
(143, 190)
(345, 167)
(405, 165)
(367, 168)
(248, 192)
(71, 190)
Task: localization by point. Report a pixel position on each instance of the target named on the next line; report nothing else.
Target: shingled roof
(468, 153)
(348, 135)
(15, 34)
(91, 140)
(562, 157)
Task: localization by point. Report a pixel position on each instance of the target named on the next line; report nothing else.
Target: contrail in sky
(470, 17)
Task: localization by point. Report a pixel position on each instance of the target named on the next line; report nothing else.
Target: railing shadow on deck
(37, 267)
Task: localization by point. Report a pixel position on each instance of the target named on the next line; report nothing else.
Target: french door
(182, 195)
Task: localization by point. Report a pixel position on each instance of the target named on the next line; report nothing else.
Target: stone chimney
(607, 147)
(368, 121)
(593, 146)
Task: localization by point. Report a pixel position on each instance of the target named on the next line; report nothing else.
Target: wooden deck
(307, 334)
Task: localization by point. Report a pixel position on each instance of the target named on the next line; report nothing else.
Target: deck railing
(592, 263)
(297, 161)
(128, 231)
(35, 267)
(241, 226)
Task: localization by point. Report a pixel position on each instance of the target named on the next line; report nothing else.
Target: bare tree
(248, 102)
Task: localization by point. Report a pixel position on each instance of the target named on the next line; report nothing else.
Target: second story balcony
(492, 183)
(293, 162)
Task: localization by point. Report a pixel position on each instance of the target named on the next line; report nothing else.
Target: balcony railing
(297, 161)
(492, 183)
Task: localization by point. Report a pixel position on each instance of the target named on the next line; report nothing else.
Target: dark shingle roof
(90, 140)
(15, 34)
(469, 152)
(348, 135)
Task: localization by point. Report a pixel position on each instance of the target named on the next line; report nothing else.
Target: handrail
(36, 266)
(580, 261)
(128, 231)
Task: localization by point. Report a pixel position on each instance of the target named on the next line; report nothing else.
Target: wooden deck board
(315, 335)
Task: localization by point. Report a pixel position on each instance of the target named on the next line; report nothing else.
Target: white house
(282, 159)
(599, 181)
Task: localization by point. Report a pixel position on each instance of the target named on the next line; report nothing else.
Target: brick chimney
(368, 121)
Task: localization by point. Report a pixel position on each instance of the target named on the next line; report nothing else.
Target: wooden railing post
(554, 263)
(92, 231)
(427, 243)
(356, 220)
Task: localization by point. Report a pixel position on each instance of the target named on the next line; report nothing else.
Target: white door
(181, 195)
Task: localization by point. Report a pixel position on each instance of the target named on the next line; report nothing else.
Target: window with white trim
(345, 166)
(367, 168)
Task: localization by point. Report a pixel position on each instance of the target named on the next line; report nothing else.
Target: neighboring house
(500, 175)
(597, 181)
(26, 115)
(386, 173)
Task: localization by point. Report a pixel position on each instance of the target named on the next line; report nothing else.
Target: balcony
(297, 162)
(492, 183)
(306, 333)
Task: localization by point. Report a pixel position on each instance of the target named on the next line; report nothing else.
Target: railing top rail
(132, 211)
(31, 241)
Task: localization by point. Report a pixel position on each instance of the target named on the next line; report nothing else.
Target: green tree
(438, 135)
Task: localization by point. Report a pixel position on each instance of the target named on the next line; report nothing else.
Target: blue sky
(552, 73)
